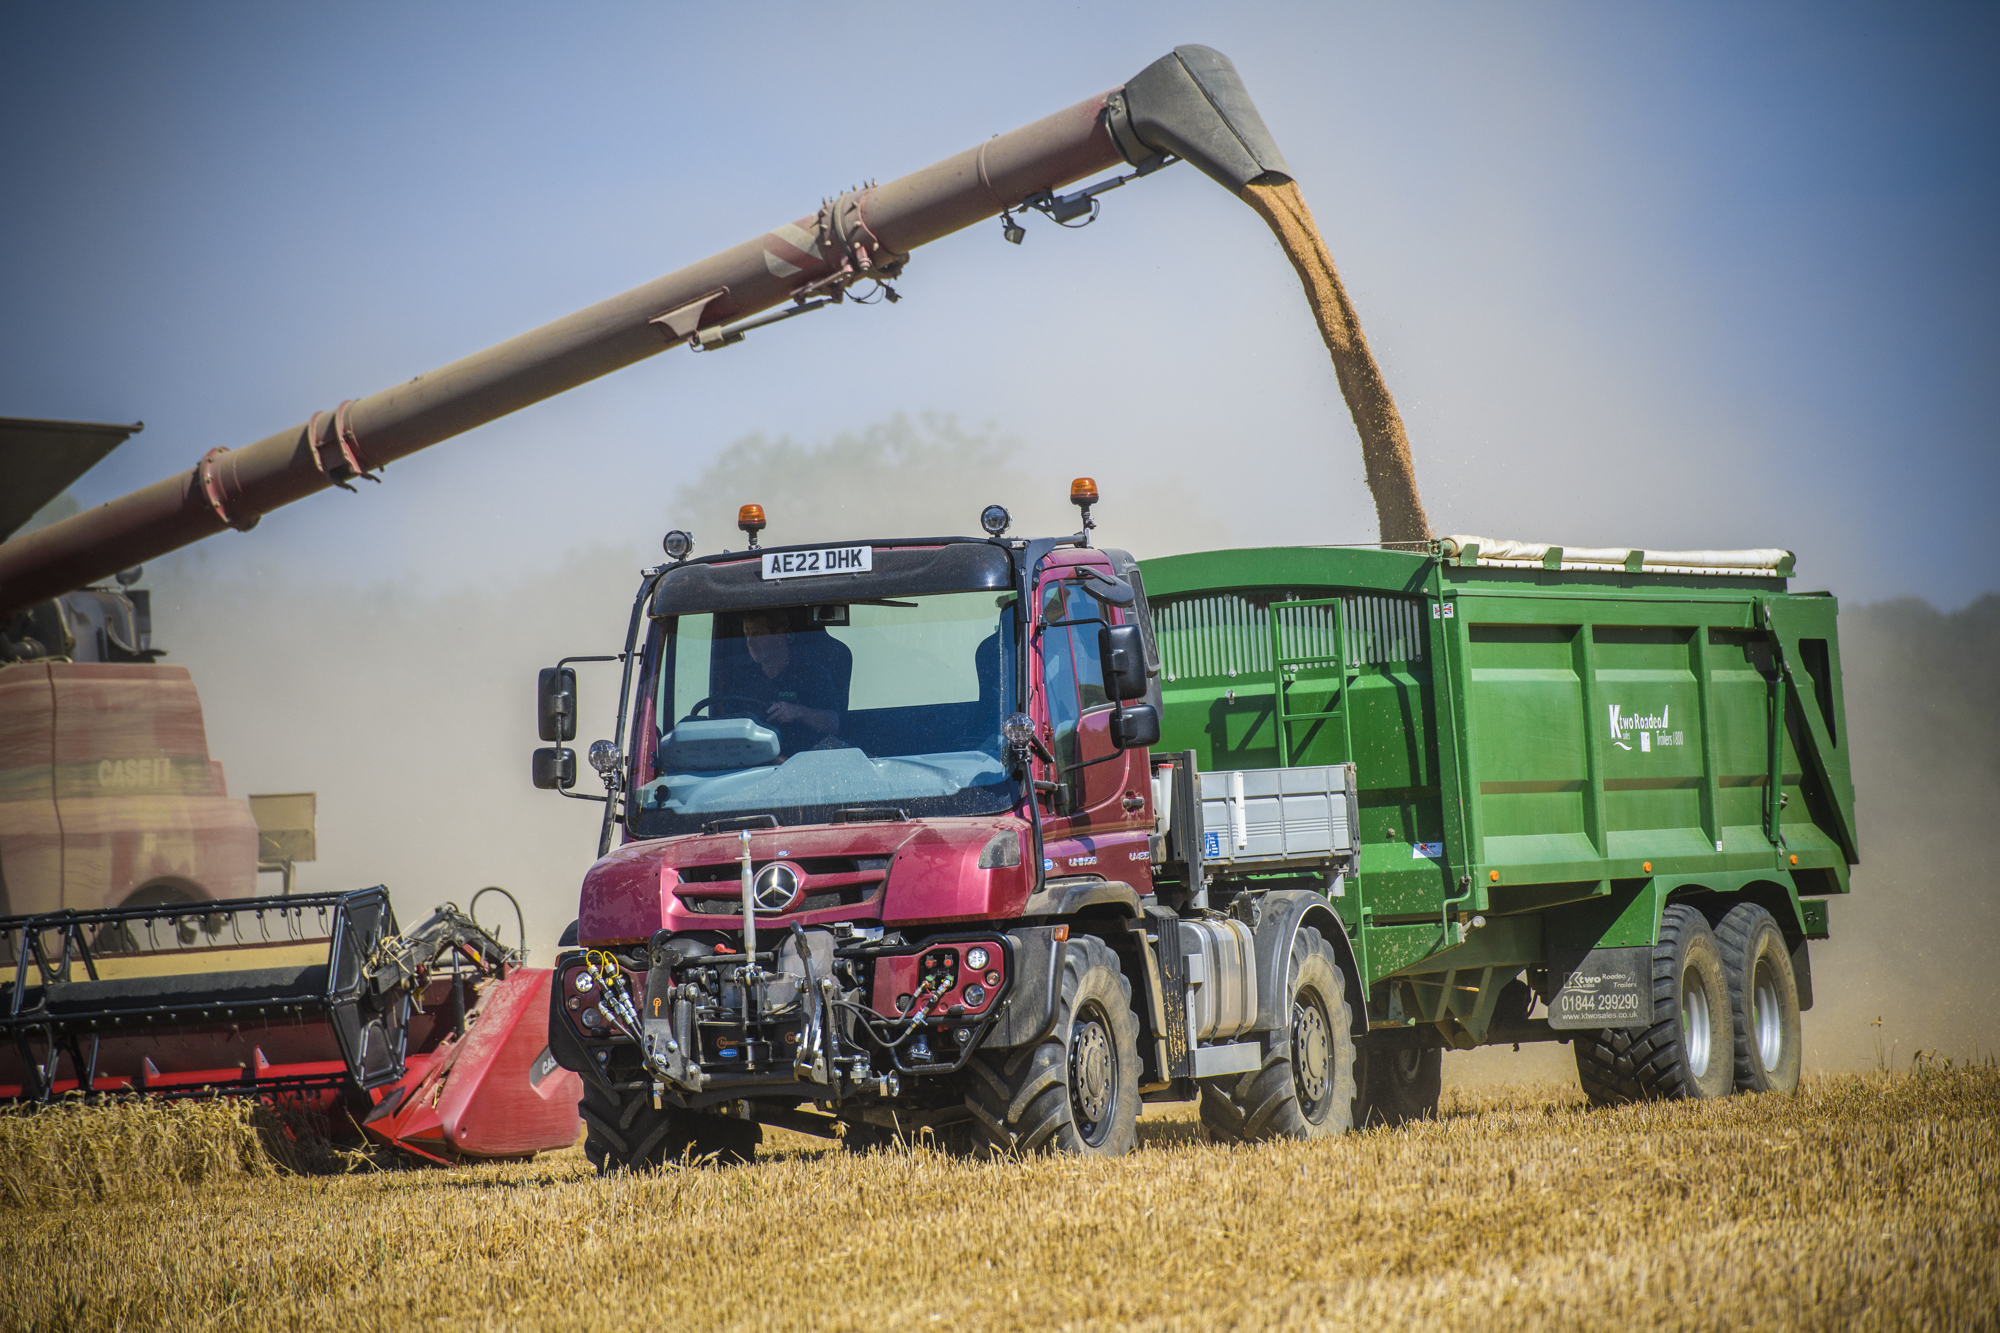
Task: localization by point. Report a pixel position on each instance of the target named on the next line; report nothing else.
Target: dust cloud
(409, 710)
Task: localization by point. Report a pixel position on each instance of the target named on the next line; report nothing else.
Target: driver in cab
(800, 679)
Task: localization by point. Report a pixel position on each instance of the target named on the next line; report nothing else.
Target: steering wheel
(756, 713)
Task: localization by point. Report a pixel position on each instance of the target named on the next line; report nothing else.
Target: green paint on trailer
(1563, 748)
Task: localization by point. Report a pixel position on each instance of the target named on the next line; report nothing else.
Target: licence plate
(824, 560)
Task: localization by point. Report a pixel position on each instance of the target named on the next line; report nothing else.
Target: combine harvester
(143, 977)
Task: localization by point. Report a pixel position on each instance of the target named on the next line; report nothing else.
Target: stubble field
(1867, 1201)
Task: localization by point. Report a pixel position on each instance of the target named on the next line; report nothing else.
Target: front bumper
(816, 1017)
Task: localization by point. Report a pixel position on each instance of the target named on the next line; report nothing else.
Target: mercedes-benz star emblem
(776, 887)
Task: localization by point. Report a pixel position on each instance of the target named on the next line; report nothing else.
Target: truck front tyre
(1689, 1053)
(1305, 1088)
(622, 1132)
(1397, 1079)
(1076, 1090)
(1763, 1000)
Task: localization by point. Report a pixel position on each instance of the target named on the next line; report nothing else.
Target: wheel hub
(1312, 1053)
(1694, 1022)
(1766, 1017)
(1092, 1071)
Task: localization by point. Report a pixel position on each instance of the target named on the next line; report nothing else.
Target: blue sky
(1642, 275)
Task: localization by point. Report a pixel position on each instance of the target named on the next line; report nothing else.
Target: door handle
(1133, 802)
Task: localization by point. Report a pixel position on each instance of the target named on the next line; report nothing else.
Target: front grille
(831, 881)
(814, 866)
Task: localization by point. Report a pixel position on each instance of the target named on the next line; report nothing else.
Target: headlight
(975, 958)
(975, 995)
(583, 983)
(1002, 850)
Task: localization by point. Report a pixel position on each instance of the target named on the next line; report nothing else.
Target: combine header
(432, 1042)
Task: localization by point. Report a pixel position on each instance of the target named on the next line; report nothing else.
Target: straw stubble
(1866, 1201)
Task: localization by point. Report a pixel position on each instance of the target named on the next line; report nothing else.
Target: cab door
(1102, 805)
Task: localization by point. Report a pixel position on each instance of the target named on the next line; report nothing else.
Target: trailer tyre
(1305, 1088)
(1687, 1054)
(1763, 1000)
(1397, 1079)
(622, 1132)
(1076, 1090)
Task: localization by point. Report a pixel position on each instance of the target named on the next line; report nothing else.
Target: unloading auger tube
(1188, 105)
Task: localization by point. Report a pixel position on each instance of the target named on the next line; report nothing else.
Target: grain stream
(1385, 445)
(1868, 1201)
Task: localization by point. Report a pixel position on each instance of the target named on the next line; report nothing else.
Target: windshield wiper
(871, 814)
(741, 821)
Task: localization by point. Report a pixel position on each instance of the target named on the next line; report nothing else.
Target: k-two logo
(1649, 728)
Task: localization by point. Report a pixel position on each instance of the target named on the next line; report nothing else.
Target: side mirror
(555, 704)
(1105, 590)
(1123, 653)
(1136, 727)
(556, 768)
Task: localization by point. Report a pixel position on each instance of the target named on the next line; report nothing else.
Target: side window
(1072, 671)
(1083, 640)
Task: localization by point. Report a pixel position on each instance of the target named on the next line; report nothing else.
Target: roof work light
(750, 518)
(1083, 494)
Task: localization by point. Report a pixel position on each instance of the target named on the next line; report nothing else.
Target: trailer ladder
(1292, 654)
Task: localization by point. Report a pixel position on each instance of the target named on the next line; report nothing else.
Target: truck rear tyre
(1076, 1090)
(622, 1132)
(1689, 1052)
(1763, 1000)
(1305, 1089)
(1397, 1079)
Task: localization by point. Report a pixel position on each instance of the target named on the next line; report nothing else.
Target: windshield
(880, 709)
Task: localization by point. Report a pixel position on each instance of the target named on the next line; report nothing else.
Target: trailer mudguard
(1278, 920)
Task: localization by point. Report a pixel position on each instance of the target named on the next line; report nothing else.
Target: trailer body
(1552, 752)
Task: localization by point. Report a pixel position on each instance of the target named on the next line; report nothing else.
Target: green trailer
(1598, 796)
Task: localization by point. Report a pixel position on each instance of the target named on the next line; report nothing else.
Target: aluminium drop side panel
(1277, 817)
